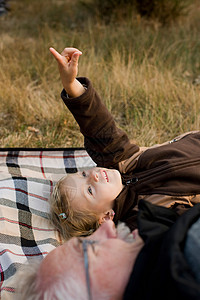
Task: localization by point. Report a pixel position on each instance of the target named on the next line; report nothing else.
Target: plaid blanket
(27, 177)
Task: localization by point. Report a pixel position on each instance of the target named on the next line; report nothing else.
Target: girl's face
(94, 189)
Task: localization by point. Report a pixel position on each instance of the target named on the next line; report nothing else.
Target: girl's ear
(108, 215)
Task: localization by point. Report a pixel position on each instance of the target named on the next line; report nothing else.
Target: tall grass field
(147, 74)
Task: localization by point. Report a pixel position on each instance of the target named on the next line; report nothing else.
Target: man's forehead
(62, 256)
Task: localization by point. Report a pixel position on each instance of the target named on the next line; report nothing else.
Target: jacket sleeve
(105, 143)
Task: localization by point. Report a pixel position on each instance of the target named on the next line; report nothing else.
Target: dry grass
(144, 73)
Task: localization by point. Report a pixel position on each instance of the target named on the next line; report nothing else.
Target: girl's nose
(94, 175)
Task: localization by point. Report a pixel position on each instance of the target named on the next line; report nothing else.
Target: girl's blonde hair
(77, 222)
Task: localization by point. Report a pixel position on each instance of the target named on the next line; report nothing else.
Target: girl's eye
(84, 174)
(90, 190)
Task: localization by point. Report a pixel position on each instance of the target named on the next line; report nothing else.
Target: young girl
(167, 174)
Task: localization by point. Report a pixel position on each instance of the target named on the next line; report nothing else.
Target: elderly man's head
(97, 267)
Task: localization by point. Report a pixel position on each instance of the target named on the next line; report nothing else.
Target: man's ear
(108, 215)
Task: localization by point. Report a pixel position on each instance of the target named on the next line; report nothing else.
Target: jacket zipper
(138, 179)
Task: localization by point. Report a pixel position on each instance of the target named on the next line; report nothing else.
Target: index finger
(55, 53)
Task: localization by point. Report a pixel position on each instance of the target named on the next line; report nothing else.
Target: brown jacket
(167, 174)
